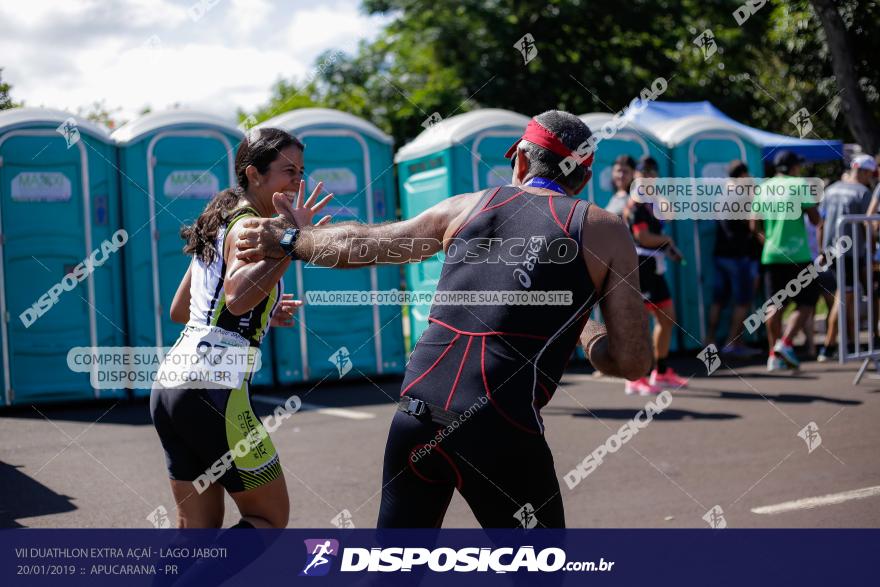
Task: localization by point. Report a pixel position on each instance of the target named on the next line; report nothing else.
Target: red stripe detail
(660, 305)
(570, 214)
(458, 375)
(440, 358)
(544, 389)
(458, 480)
(480, 211)
(489, 201)
(488, 333)
(513, 197)
(640, 227)
(504, 415)
(555, 217)
(412, 465)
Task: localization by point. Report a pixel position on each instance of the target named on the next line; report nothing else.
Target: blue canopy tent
(658, 114)
(702, 140)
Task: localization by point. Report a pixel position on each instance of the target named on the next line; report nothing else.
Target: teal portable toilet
(633, 140)
(463, 153)
(354, 160)
(58, 204)
(637, 142)
(701, 146)
(172, 163)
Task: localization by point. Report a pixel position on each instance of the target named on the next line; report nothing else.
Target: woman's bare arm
(246, 284)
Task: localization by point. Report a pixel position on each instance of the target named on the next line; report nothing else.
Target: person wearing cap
(653, 247)
(786, 252)
(850, 195)
(468, 416)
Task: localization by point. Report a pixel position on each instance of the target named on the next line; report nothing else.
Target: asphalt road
(730, 441)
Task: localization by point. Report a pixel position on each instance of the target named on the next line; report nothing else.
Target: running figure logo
(342, 359)
(715, 518)
(801, 119)
(705, 41)
(526, 516)
(69, 131)
(526, 46)
(159, 517)
(810, 434)
(710, 358)
(317, 552)
(343, 520)
(432, 120)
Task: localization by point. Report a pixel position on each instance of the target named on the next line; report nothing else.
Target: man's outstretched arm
(622, 345)
(354, 244)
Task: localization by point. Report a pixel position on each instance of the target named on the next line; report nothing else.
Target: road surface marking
(814, 502)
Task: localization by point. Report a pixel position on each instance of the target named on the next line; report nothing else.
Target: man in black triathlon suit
(469, 412)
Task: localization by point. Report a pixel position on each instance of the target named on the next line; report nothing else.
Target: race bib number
(208, 357)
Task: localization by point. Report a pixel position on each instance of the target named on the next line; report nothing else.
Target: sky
(211, 55)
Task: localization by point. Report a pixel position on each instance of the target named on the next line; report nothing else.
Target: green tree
(99, 112)
(5, 98)
(593, 55)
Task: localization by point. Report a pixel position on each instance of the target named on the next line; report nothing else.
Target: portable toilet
(58, 205)
(172, 163)
(701, 146)
(637, 142)
(463, 153)
(354, 160)
(633, 140)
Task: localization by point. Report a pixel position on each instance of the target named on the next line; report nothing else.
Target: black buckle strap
(413, 406)
(417, 407)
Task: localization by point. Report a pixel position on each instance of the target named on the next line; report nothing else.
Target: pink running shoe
(641, 387)
(668, 380)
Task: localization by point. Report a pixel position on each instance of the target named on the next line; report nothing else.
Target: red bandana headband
(537, 134)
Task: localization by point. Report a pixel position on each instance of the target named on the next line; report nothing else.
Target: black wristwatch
(288, 240)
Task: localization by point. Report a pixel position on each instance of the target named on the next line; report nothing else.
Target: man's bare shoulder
(598, 215)
(601, 224)
(456, 209)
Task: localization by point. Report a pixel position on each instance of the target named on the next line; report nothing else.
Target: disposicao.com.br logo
(318, 556)
(442, 559)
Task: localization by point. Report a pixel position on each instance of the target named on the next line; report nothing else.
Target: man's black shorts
(655, 291)
(777, 276)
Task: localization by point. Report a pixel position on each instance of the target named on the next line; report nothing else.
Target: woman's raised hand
(300, 213)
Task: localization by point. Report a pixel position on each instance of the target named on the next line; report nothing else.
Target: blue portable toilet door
(428, 182)
(708, 156)
(341, 159)
(489, 168)
(46, 225)
(600, 188)
(185, 169)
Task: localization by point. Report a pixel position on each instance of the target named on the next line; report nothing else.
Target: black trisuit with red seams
(494, 365)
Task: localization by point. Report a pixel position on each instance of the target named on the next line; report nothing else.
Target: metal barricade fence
(861, 229)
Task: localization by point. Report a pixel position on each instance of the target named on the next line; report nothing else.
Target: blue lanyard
(547, 184)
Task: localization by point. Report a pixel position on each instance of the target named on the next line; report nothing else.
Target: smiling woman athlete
(224, 301)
